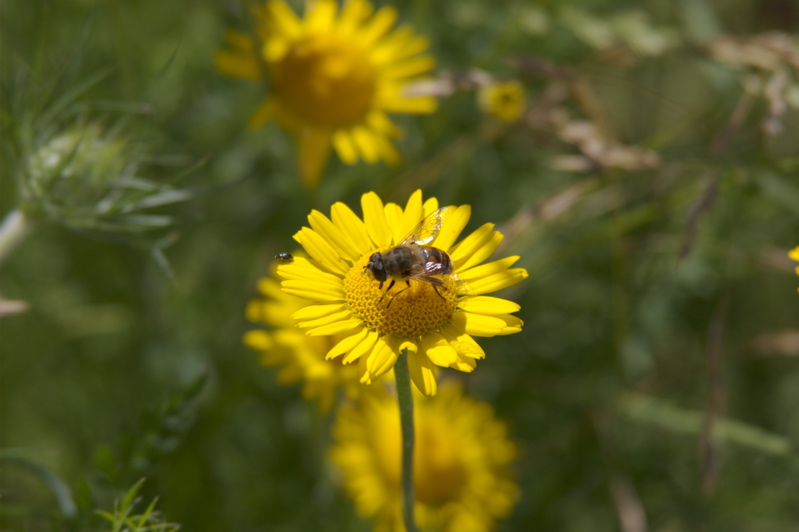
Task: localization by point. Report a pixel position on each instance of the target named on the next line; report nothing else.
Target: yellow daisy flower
(462, 462)
(334, 76)
(433, 316)
(503, 100)
(794, 254)
(300, 357)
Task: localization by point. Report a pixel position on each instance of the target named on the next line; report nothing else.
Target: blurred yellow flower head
(433, 316)
(503, 100)
(794, 254)
(334, 77)
(462, 462)
(301, 358)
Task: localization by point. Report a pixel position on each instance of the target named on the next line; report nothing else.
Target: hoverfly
(412, 259)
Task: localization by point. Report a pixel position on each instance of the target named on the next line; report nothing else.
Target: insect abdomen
(437, 261)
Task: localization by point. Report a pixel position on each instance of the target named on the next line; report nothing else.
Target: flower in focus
(504, 100)
(334, 77)
(462, 459)
(376, 321)
(300, 357)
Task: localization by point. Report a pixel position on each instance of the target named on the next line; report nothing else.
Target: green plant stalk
(405, 400)
(15, 227)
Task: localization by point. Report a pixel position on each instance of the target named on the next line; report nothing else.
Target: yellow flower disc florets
(405, 311)
(326, 80)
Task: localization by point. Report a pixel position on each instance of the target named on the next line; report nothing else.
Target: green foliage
(650, 191)
(122, 519)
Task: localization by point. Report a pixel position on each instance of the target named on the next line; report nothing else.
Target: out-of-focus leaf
(654, 411)
(60, 490)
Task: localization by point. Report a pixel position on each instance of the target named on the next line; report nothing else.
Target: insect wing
(425, 278)
(427, 230)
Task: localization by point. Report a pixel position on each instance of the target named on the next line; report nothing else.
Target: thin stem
(14, 229)
(405, 399)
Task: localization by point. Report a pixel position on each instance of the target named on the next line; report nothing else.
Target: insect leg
(390, 286)
(407, 282)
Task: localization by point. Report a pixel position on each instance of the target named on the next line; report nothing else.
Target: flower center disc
(326, 80)
(406, 311)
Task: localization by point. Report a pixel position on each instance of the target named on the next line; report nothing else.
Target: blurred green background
(655, 384)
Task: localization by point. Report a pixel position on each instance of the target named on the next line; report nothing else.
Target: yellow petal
(464, 364)
(488, 305)
(338, 327)
(276, 48)
(794, 253)
(413, 213)
(313, 291)
(312, 312)
(400, 44)
(269, 287)
(438, 350)
(365, 142)
(421, 105)
(476, 247)
(462, 342)
(347, 344)
(380, 360)
(497, 266)
(321, 16)
(405, 344)
(409, 68)
(345, 147)
(333, 235)
(240, 41)
(303, 269)
(320, 250)
(264, 112)
(353, 14)
(381, 123)
(455, 220)
(337, 317)
(375, 219)
(386, 151)
(430, 206)
(378, 26)
(238, 64)
(285, 20)
(353, 226)
(255, 311)
(481, 325)
(314, 150)
(394, 219)
(496, 281)
(258, 340)
(364, 347)
(423, 373)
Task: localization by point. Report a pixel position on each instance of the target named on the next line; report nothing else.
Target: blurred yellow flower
(504, 100)
(794, 254)
(434, 320)
(334, 76)
(301, 358)
(462, 462)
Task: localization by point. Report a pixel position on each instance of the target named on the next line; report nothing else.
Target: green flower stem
(14, 229)
(405, 399)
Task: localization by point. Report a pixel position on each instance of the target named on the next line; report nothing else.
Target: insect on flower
(284, 258)
(412, 259)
